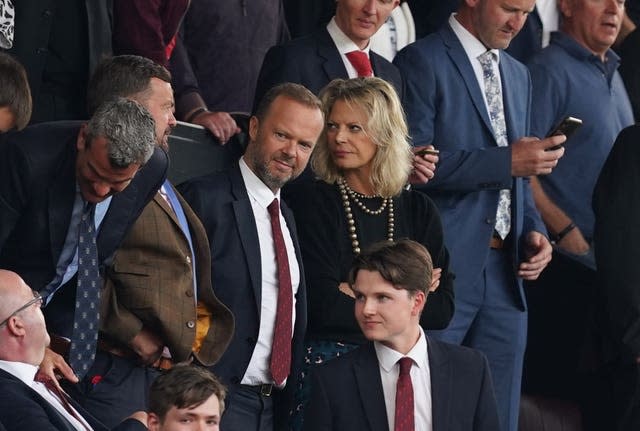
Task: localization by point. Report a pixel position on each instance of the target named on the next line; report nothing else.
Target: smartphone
(566, 127)
(424, 151)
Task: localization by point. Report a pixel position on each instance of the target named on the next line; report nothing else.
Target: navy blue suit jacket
(22, 408)
(221, 202)
(37, 192)
(314, 61)
(346, 393)
(445, 107)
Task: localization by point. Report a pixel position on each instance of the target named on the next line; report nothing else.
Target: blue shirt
(570, 80)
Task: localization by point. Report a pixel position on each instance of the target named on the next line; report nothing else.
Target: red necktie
(404, 398)
(360, 62)
(60, 395)
(280, 363)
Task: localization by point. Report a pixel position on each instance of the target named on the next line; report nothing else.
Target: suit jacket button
(189, 260)
(488, 221)
(189, 293)
(191, 324)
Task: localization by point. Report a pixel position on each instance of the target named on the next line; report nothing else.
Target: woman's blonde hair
(386, 126)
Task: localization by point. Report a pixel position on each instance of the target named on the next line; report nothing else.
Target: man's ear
(419, 301)
(16, 327)
(254, 123)
(153, 422)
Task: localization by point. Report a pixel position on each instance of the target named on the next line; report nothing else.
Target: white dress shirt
(420, 380)
(26, 373)
(345, 45)
(261, 196)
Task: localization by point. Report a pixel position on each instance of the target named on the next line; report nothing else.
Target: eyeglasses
(36, 298)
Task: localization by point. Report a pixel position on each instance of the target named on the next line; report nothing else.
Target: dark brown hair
(14, 90)
(184, 386)
(295, 92)
(122, 76)
(405, 263)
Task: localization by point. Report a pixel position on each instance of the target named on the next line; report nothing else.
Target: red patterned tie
(360, 62)
(281, 348)
(404, 398)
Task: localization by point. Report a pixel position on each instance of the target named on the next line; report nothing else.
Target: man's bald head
(23, 334)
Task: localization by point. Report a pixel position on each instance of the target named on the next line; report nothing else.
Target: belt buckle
(266, 389)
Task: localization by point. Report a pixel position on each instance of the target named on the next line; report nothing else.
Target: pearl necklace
(348, 194)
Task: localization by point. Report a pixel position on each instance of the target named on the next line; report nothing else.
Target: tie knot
(405, 365)
(274, 208)
(360, 62)
(486, 59)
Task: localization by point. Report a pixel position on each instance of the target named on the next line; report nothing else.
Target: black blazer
(22, 409)
(222, 203)
(314, 61)
(346, 393)
(37, 192)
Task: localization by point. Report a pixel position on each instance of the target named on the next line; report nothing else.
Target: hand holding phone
(566, 127)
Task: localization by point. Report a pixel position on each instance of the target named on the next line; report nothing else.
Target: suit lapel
(515, 104)
(56, 418)
(246, 224)
(159, 200)
(441, 378)
(461, 60)
(367, 372)
(333, 65)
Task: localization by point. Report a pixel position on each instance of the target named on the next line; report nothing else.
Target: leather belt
(496, 242)
(61, 346)
(265, 389)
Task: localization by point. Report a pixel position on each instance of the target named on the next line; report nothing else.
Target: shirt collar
(569, 44)
(575, 49)
(471, 44)
(388, 358)
(342, 41)
(24, 372)
(255, 187)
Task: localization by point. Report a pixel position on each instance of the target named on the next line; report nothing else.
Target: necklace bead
(348, 195)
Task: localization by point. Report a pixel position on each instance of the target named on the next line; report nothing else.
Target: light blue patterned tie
(493, 93)
(87, 315)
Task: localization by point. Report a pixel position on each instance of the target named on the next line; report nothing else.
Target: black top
(327, 254)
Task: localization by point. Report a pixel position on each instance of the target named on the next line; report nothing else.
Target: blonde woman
(363, 161)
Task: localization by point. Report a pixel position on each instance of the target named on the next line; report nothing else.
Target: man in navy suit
(478, 117)
(449, 387)
(247, 273)
(26, 404)
(48, 173)
(321, 57)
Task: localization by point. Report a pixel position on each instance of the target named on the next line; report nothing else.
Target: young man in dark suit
(250, 268)
(402, 380)
(27, 403)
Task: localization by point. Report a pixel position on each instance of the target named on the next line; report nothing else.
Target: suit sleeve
(616, 203)
(20, 412)
(317, 415)
(183, 79)
(15, 181)
(463, 166)
(486, 415)
(130, 425)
